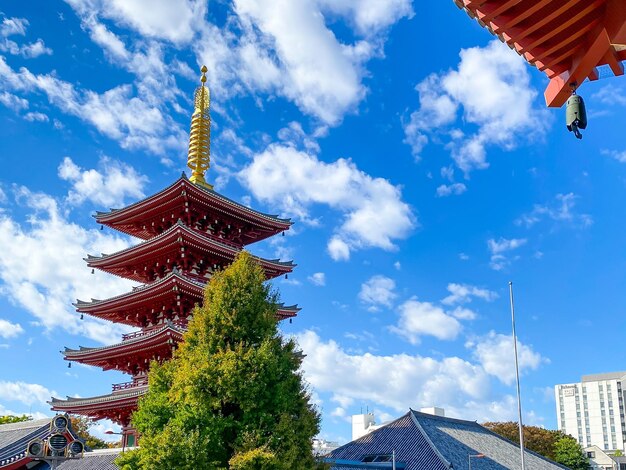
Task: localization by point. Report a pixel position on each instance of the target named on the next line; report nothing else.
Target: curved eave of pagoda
(124, 219)
(142, 346)
(283, 312)
(113, 308)
(182, 236)
(116, 406)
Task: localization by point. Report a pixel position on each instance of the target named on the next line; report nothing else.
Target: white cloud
(455, 189)
(619, 156)
(108, 188)
(495, 353)
(34, 49)
(463, 313)
(114, 113)
(35, 116)
(10, 330)
(17, 26)
(13, 102)
(338, 249)
(279, 47)
(378, 291)
(318, 74)
(318, 279)
(374, 213)
(48, 272)
(369, 16)
(13, 26)
(463, 293)
(397, 381)
(172, 20)
(498, 249)
(26, 393)
(491, 87)
(425, 319)
(562, 210)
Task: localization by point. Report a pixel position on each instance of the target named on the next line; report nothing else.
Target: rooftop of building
(603, 376)
(101, 459)
(422, 440)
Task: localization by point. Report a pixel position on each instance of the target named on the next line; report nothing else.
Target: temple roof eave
(104, 217)
(152, 338)
(73, 403)
(182, 229)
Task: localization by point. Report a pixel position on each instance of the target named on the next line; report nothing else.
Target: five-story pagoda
(188, 232)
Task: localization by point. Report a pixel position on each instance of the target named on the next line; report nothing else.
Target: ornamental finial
(199, 155)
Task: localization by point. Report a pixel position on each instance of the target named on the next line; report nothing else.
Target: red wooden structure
(565, 39)
(189, 231)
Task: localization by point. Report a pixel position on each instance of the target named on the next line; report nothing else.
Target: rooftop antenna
(519, 399)
(199, 155)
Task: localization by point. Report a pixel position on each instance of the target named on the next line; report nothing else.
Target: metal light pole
(519, 398)
(110, 432)
(473, 456)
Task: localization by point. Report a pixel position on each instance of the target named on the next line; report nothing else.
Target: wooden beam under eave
(488, 14)
(513, 20)
(583, 19)
(615, 21)
(560, 88)
(616, 66)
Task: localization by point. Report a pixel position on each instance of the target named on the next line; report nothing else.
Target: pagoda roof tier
(198, 207)
(173, 295)
(192, 251)
(566, 39)
(134, 353)
(117, 406)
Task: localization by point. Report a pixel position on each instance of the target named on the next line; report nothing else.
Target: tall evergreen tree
(232, 396)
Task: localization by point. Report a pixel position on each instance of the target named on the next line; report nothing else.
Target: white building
(592, 411)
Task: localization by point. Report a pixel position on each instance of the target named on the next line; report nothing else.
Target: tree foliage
(537, 439)
(8, 419)
(554, 445)
(232, 396)
(569, 453)
(81, 426)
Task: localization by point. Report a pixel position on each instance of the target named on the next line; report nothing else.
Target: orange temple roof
(566, 39)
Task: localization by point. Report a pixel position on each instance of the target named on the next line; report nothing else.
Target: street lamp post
(474, 456)
(519, 396)
(111, 432)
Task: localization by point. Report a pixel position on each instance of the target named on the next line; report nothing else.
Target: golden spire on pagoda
(199, 156)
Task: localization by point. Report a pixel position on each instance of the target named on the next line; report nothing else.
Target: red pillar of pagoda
(188, 231)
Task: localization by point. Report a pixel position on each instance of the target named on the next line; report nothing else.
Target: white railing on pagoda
(127, 385)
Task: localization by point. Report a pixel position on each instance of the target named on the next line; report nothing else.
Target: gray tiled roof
(427, 442)
(101, 459)
(10, 433)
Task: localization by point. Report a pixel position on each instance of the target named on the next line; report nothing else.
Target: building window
(591, 455)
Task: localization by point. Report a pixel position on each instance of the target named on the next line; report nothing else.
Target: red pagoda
(189, 231)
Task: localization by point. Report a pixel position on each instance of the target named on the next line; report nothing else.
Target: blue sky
(414, 153)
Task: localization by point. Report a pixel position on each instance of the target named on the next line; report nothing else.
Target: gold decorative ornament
(199, 155)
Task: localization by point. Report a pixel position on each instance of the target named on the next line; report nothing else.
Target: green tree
(537, 439)
(232, 396)
(81, 426)
(8, 419)
(618, 453)
(569, 453)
